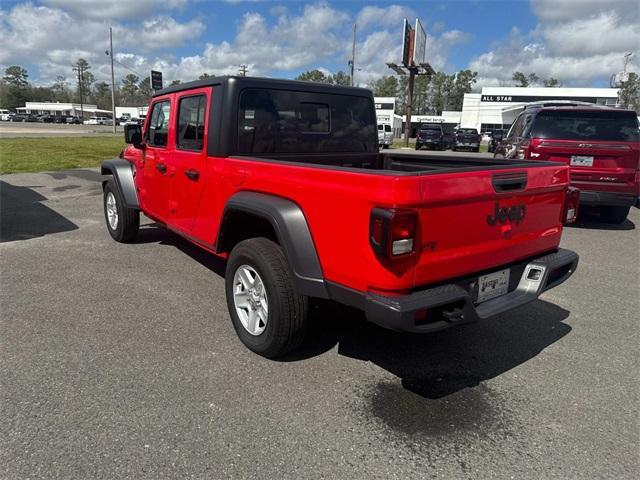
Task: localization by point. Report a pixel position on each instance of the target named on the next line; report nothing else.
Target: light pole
(113, 81)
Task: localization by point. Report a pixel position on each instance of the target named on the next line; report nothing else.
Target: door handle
(161, 167)
(192, 174)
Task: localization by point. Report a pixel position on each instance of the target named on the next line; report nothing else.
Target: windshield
(586, 125)
(431, 127)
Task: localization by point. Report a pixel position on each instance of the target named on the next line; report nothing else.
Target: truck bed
(399, 163)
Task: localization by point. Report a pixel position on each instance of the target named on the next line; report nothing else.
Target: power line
(128, 68)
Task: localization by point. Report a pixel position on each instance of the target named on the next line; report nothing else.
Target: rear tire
(123, 222)
(255, 266)
(611, 214)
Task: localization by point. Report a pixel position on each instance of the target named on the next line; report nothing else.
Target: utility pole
(78, 68)
(113, 82)
(352, 62)
(243, 70)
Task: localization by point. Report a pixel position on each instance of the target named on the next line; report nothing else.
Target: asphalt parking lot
(119, 361)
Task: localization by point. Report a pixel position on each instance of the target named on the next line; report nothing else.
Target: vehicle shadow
(430, 365)
(23, 216)
(590, 219)
(154, 233)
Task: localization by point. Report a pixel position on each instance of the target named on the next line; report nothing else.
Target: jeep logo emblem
(506, 214)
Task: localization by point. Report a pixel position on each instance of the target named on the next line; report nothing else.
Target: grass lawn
(56, 153)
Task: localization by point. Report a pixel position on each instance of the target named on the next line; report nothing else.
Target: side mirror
(133, 135)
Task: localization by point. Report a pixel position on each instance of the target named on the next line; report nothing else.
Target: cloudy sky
(580, 42)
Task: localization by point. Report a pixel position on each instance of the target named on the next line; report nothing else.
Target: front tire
(123, 222)
(267, 313)
(612, 214)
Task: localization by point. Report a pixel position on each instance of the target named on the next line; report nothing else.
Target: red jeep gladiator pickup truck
(285, 181)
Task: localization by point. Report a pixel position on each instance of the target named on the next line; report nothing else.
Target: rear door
(190, 158)
(602, 147)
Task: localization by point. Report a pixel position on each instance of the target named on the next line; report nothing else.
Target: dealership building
(496, 107)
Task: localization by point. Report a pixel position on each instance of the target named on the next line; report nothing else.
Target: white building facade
(63, 109)
(497, 107)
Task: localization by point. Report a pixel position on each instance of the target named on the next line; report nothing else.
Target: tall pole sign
(156, 80)
(414, 42)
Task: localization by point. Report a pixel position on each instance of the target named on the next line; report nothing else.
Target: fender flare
(292, 230)
(122, 173)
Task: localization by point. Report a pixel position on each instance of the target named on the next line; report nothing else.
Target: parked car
(466, 139)
(418, 245)
(72, 119)
(495, 138)
(447, 140)
(385, 135)
(45, 118)
(23, 117)
(430, 135)
(600, 144)
(4, 115)
(98, 121)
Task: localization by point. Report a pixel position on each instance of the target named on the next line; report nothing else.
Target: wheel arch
(288, 226)
(122, 173)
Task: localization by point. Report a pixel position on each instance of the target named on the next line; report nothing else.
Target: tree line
(131, 91)
(432, 94)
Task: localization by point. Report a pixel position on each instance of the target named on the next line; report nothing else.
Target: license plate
(581, 161)
(493, 285)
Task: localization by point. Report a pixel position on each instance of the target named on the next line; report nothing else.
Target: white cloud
(316, 36)
(115, 9)
(53, 39)
(578, 42)
(390, 16)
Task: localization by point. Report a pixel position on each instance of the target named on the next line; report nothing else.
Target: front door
(155, 186)
(189, 158)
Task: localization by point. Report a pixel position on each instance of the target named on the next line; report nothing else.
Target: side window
(191, 118)
(159, 124)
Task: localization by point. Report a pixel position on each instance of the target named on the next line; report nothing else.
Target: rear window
(278, 121)
(431, 127)
(583, 125)
(468, 131)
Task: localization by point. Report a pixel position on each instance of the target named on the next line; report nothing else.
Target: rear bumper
(608, 198)
(453, 304)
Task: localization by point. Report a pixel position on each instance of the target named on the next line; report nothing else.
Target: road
(120, 361)
(19, 129)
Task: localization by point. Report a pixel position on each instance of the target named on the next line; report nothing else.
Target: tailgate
(475, 221)
(595, 165)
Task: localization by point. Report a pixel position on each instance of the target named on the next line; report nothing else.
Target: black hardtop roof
(259, 82)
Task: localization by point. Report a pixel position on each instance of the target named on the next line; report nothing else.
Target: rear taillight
(571, 202)
(392, 232)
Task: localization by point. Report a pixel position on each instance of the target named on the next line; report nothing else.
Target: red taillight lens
(392, 232)
(571, 203)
